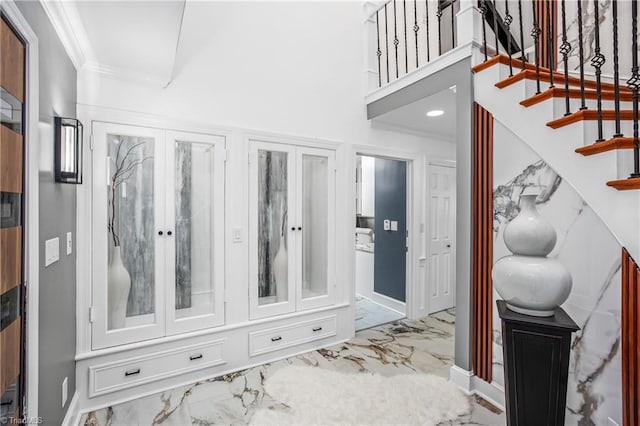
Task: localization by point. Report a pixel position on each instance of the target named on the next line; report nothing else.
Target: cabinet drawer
(136, 371)
(277, 338)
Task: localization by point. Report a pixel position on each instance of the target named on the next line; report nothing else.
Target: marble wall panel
(592, 255)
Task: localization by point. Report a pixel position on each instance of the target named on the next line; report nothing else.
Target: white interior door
(195, 218)
(272, 229)
(441, 207)
(128, 253)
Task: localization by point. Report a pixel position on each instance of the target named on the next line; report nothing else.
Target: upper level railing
(408, 34)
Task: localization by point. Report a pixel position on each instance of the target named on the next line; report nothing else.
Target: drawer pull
(132, 372)
(317, 328)
(7, 402)
(194, 357)
(275, 339)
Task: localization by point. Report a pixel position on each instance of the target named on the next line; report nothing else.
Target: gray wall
(390, 255)
(57, 325)
(458, 74)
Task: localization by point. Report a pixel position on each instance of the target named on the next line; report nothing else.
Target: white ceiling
(152, 40)
(130, 37)
(412, 116)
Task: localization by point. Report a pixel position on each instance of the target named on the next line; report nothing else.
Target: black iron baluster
(522, 58)
(378, 52)
(483, 10)
(439, 15)
(395, 37)
(597, 62)
(416, 28)
(634, 84)
(550, 42)
(583, 100)
(426, 17)
(507, 21)
(535, 33)
(406, 46)
(453, 25)
(495, 25)
(386, 38)
(616, 72)
(565, 48)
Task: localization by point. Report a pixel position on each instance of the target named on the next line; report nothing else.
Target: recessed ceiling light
(435, 113)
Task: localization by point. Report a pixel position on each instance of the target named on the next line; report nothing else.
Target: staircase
(598, 171)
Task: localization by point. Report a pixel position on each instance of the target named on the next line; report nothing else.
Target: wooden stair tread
(587, 115)
(609, 145)
(557, 92)
(625, 184)
(558, 79)
(504, 60)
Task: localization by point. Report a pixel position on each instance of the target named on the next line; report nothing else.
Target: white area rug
(321, 397)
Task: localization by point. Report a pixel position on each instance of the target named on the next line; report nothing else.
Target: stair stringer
(619, 210)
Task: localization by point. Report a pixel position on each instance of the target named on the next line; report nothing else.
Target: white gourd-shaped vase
(528, 281)
(119, 285)
(280, 271)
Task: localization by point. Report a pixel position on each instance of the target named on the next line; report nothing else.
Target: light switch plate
(69, 243)
(394, 225)
(51, 251)
(237, 235)
(387, 225)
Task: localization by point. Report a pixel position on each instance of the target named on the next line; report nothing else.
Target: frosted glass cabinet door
(128, 206)
(195, 196)
(316, 189)
(272, 205)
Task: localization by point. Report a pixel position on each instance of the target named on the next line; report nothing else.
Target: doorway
(381, 240)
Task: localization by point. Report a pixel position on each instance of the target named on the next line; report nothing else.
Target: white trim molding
(470, 384)
(441, 62)
(31, 227)
(72, 417)
(68, 25)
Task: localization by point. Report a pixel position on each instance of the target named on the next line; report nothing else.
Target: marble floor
(370, 314)
(400, 347)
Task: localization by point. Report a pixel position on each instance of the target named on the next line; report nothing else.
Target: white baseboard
(72, 418)
(473, 385)
(388, 302)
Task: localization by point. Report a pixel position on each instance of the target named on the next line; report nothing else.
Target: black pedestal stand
(536, 366)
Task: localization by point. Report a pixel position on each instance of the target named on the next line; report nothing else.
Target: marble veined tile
(401, 347)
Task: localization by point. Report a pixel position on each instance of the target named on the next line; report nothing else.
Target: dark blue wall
(390, 246)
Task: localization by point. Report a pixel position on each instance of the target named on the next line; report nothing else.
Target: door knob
(448, 245)
(169, 232)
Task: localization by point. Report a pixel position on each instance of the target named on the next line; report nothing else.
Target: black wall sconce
(68, 150)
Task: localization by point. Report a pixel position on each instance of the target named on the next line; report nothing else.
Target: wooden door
(11, 226)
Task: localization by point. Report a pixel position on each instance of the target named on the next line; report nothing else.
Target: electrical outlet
(69, 243)
(386, 225)
(65, 390)
(394, 225)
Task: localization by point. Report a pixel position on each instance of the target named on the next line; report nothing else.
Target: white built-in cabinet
(164, 310)
(292, 195)
(158, 233)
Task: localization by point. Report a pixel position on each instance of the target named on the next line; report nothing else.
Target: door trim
(31, 201)
(415, 292)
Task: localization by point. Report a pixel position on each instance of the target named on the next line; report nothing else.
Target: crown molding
(67, 24)
(125, 74)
